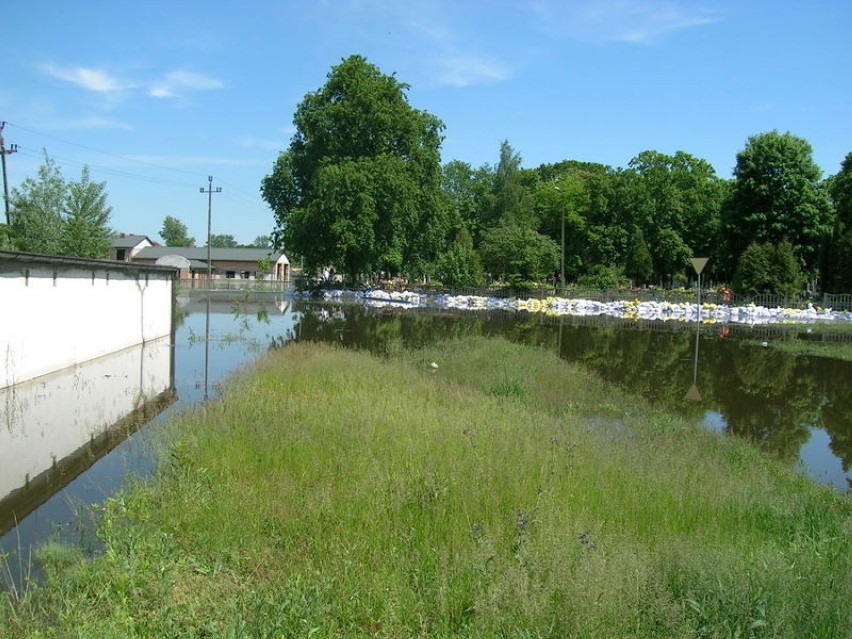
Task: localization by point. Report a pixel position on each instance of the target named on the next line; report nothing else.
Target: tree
(53, 216)
(359, 186)
(676, 202)
(512, 201)
(839, 268)
(6, 243)
(222, 241)
(767, 268)
(638, 264)
(777, 195)
(468, 192)
(519, 254)
(37, 211)
(174, 233)
(262, 241)
(460, 265)
(87, 232)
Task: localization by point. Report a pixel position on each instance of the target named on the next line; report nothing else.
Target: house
(126, 246)
(225, 263)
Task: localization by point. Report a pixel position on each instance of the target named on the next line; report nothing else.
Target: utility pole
(209, 191)
(3, 153)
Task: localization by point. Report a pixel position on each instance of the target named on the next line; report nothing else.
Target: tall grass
(503, 493)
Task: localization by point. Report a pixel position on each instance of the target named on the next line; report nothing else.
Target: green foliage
(261, 241)
(840, 263)
(675, 202)
(839, 267)
(460, 265)
(6, 242)
(519, 254)
(639, 265)
(468, 192)
(359, 186)
(777, 195)
(174, 233)
(511, 198)
(37, 211)
(767, 268)
(223, 241)
(57, 217)
(87, 214)
(840, 189)
(602, 277)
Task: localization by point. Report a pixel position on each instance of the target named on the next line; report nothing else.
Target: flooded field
(794, 407)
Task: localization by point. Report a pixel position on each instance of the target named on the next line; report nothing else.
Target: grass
(812, 348)
(505, 493)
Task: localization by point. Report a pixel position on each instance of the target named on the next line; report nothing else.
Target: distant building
(126, 246)
(225, 263)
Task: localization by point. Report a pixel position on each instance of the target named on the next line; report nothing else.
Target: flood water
(796, 408)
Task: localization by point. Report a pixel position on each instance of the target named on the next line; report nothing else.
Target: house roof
(128, 240)
(217, 254)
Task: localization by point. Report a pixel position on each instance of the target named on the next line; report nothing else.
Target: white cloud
(463, 71)
(249, 142)
(95, 122)
(196, 160)
(96, 80)
(631, 21)
(176, 83)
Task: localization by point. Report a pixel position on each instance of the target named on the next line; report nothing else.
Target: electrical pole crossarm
(3, 153)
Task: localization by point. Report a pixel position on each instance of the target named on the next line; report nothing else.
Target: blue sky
(156, 96)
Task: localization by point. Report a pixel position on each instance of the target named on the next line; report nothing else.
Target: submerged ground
(474, 488)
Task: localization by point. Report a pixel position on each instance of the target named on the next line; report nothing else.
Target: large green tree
(58, 217)
(468, 192)
(839, 271)
(174, 233)
(677, 208)
(359, 186)
(223, 240)
(777, 195)
(37, 211)
(512, 198)
(87, 213)
(519, 254)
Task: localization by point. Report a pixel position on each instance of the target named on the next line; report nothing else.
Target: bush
(602, 277)
(766, 268)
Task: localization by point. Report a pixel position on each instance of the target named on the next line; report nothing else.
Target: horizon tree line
(361, 189)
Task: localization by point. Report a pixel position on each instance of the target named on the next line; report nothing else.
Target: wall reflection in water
(55, 427)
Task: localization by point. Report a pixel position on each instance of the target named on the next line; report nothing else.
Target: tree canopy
(174, 233)
(359, 186)
(54, 216)
(361, 189)
(223, 240)
(777, 195)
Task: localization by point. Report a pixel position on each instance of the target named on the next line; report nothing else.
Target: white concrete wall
(57, 312)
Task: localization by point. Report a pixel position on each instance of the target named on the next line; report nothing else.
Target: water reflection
(797, 408)
(55, 427)
(788, 405)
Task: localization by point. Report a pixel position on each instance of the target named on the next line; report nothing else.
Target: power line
(114, 155)
(107, 170)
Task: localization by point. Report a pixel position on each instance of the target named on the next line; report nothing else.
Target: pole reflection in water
(692, 394)
(207, 349)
